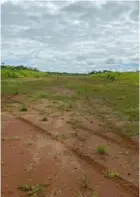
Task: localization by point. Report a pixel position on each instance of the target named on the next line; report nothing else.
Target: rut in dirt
(122, 141)
(128, 186)
(68, 174)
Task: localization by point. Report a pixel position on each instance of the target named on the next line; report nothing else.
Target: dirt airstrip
(64, 157)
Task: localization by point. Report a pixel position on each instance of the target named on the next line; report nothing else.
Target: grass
(23, 109)
(33, 190)
(107, 96)
(59, 137)
(95, 194)
(41, 95)
(20, 72)
(102, 149)
(66, 105)
(11, 138)
(111, 174)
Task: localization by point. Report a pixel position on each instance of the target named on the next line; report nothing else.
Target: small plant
(23, 108)
(42, 95)
(102, 149)
(95, 194)
(59, 137)
(111, 174)
(33, 190)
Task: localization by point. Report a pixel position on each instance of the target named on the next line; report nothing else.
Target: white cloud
(72, 36)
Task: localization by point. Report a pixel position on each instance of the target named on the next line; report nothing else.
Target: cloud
(72, 36)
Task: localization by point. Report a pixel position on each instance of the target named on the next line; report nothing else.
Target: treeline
(99, 72)
(24, 68)
(20, 67)
(20, 72)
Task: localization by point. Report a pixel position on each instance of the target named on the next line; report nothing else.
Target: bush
(111, 76)
(102, 149)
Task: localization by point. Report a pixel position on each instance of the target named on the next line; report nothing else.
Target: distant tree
(106, 71)
(92, 72)
(2, 64)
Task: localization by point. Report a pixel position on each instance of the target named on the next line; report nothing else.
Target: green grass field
(108, 96)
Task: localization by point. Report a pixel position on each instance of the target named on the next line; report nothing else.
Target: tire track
(128, 186)
(101, 169)
(124, 142)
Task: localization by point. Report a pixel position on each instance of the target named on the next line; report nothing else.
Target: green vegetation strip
(105, 95)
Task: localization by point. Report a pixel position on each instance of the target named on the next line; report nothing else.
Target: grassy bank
(20, 72)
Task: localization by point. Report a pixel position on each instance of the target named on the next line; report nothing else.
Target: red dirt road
(50, 153)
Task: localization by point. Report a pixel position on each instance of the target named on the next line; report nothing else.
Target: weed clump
(23, 109)
(102, 149)
(111, 76)
(111, 174)
(33, 190)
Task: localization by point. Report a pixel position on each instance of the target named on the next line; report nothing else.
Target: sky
(70, 35)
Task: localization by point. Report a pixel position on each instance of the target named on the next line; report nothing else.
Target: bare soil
(63, 156)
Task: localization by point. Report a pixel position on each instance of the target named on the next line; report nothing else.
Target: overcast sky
(70, 36)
